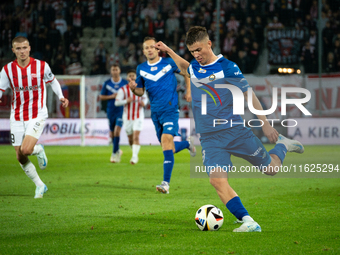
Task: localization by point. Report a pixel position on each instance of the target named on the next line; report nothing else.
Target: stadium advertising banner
(329, 103)
(284, 45)
(67, 132)
(321, 131)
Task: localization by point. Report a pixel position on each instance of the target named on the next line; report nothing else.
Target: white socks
(247, 218)
(37, 149)
(31, 172)
(135, 150)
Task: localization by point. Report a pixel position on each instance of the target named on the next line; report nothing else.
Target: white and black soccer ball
(209, 217)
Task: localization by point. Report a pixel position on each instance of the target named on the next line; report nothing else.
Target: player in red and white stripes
(28, 77)
(133, 115)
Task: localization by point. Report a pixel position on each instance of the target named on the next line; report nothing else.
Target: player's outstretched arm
(270, 132)
(180, 62)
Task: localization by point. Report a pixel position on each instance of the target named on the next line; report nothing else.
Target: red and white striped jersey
(133, 110)
(29, 88)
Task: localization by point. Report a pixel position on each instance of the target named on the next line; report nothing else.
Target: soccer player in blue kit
(208, 73)
(157, 77)
(114, 113)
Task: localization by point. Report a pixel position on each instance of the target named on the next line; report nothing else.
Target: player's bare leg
(29, 146)
(135, 147)
(274, 165)
(130, 138)
(22, 152)
(219, 180)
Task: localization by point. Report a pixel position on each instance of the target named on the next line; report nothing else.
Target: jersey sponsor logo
(154, 68)
(202, 70)
(27, 88)
(168, 123)
(198, 82)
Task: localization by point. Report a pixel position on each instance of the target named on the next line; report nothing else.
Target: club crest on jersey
(34, 75)
(202, 70)
(212, 77)
(164, 70)
(154, 68)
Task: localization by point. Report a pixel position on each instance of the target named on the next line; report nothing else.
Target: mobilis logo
(238, 101)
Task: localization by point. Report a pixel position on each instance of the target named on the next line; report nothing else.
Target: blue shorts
(115, 120)
(217, 147)
(165, 123)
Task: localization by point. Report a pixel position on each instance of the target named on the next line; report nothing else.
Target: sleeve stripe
(50, 80)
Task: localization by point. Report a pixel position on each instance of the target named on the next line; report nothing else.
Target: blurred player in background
(207, 72)
(133, 116)
(28, 77)
(114, 113)
(157, 77)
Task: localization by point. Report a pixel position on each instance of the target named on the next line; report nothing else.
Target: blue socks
(236, 207)
(181, 145)
(168, 164)
(169, 159)
(115, 141)
(279, 150)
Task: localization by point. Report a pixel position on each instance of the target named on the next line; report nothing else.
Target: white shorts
(19, 129)
(133, 125)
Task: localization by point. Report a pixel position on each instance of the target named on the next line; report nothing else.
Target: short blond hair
(19, 39)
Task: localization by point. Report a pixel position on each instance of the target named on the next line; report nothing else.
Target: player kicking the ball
(133, 115)
(209, 72)
(28, 77)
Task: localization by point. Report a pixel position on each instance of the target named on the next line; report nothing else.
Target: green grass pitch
(95, 207)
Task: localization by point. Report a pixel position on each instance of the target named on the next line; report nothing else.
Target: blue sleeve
(104, 90)
(173, 65)
(139, 79)
(233, 75)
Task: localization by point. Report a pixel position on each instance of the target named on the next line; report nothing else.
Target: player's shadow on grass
(13, 195)
(112, 186)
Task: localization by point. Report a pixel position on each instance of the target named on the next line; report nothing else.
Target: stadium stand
(242, 28)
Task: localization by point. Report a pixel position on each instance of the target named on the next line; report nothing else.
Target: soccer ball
(209, 217)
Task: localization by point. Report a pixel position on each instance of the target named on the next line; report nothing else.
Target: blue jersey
(160, 82)
(110, 87)
(219, 101)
